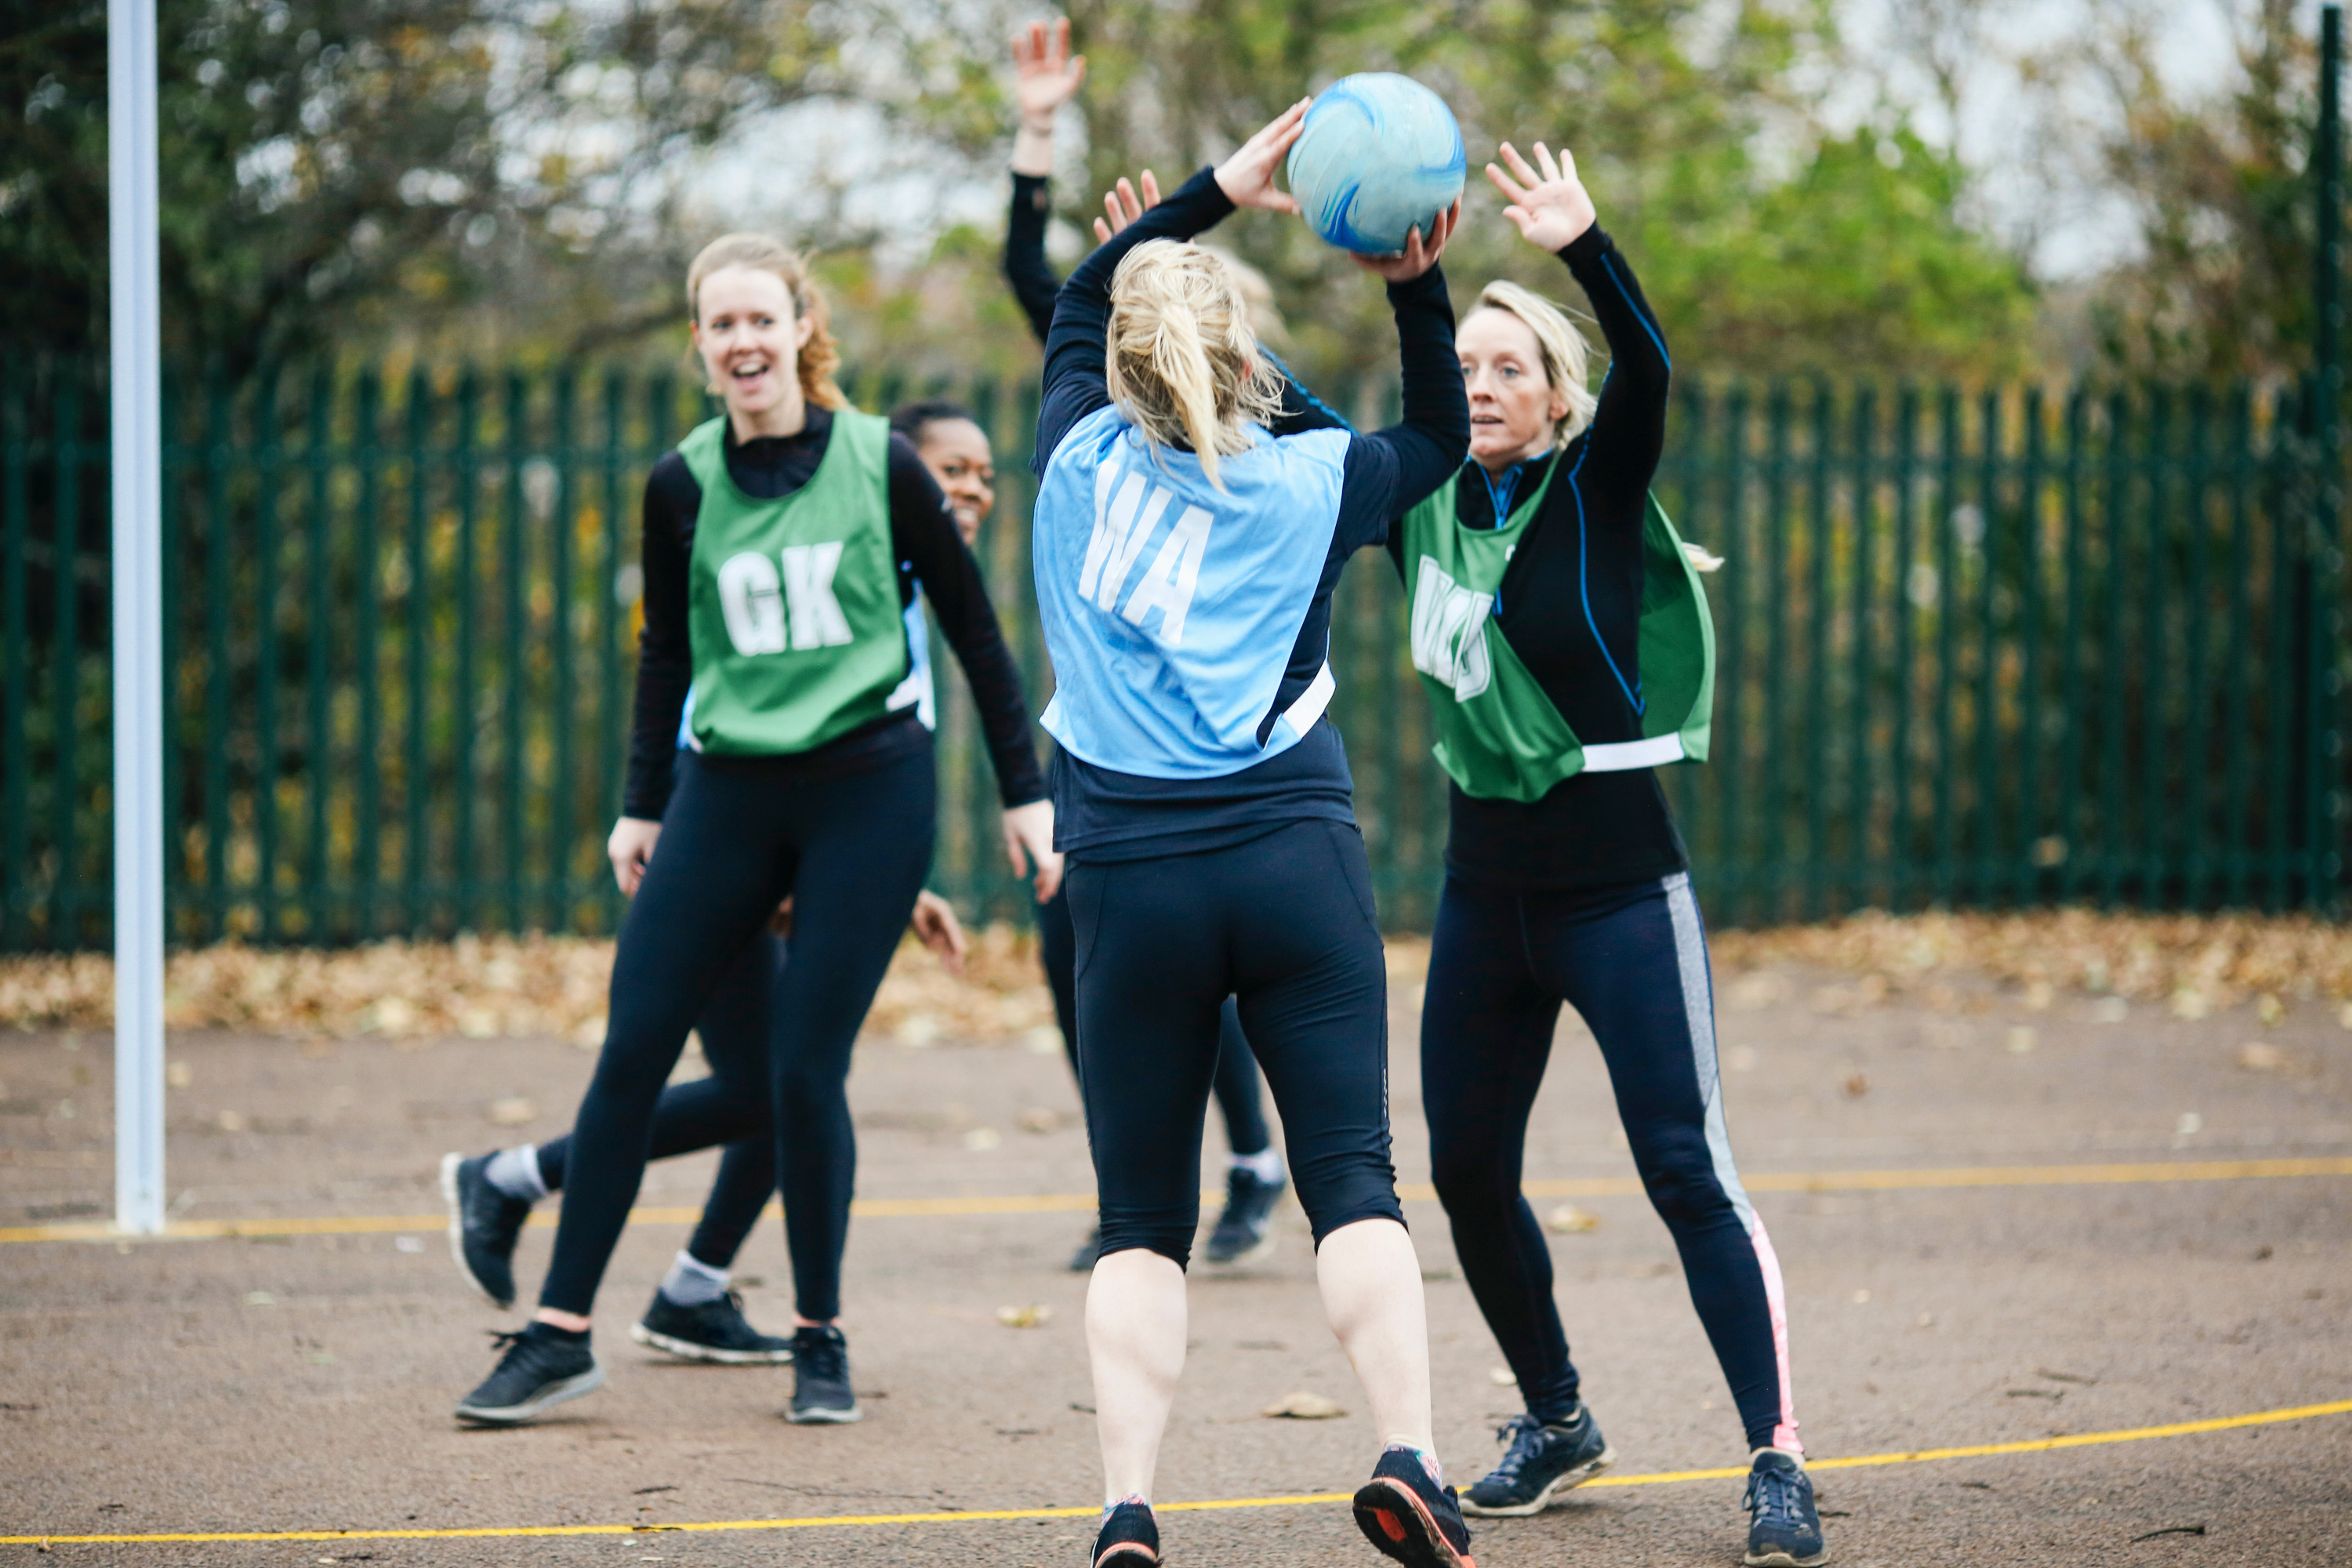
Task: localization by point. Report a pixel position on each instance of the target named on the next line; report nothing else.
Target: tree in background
(1767, 244)
(334, 170)
(2220, 186)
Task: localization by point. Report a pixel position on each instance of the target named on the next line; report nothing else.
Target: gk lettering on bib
(754, 601)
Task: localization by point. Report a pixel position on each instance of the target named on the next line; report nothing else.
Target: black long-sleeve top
(1101, 813)
(930, 552)
(1571, 607)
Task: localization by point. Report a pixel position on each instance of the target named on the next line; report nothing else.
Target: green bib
(794, 612)
(1499, 735)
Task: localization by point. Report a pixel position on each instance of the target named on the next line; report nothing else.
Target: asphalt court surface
(301, 1382)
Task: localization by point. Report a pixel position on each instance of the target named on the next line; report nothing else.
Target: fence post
(2327, 797)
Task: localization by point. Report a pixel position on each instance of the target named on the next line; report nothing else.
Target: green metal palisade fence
(1990, 648)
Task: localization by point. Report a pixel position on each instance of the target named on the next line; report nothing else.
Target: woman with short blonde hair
(1562, 638)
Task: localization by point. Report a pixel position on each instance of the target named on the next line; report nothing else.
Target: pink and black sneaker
(1404, 1512)
(1130, 1537)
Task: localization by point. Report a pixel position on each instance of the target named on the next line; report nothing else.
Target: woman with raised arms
(1185, 561)
(1563, 642)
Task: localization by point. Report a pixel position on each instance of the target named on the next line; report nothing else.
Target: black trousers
(1632, 961)
(1236, 1085)
(1284, 925)
(852, 852)
(729, 1107)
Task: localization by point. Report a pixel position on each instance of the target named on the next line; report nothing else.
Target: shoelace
(1772, 1495)
(1523, 1435)
(824, 1358)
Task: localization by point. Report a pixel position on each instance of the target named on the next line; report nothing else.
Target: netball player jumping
(1562, 641)
(794, 531)
(1185, 560)
(1046, 74)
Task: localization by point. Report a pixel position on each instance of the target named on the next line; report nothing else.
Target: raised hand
(1247, 177)
(1046, 75)
(1418, 255)
(1550, 208)
(1124, 207)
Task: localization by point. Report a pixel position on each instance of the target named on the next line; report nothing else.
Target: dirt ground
(302, 1382)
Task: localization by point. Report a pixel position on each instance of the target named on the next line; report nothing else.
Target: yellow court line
(1084, 1202)
(1915, 1456)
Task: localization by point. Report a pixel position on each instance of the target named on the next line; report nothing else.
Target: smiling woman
(785, 541)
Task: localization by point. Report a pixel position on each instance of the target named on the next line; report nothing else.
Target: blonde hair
(1181, 358)
(820, 356)
(1265, 316)
(1557, 342)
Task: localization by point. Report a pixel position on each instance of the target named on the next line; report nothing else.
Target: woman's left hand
(1029, 838)
(1125, 207)
(1247, 177)
(1550, 208)
(935, 925)
(1421, 251)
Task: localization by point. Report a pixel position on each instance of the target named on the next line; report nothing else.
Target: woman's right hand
(1247, 177)
(1420, 254)
(629, 849)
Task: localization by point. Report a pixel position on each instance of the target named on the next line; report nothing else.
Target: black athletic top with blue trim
(1571, 607)
(1101, 814)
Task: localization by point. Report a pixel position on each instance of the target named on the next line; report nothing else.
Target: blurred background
(1998, 326)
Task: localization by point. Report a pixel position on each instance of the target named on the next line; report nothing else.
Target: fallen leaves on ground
(547, 985)
(1301, 1406)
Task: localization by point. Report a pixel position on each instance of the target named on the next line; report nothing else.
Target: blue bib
(1171, 608)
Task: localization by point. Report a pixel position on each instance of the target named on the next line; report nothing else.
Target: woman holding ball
(1185, 561)
(1536, 579)
(784, 541)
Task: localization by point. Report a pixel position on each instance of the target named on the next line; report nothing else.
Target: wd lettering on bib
(1170, 606)
(797, 630)
(1499, 735)
(1449, 632)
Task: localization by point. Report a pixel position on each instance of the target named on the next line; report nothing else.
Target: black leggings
(1283, 924)
(852, 852)
(729, 1107)
(1236, 1085)
(1632, 963)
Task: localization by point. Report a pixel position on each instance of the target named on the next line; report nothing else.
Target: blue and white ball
(1378, 154)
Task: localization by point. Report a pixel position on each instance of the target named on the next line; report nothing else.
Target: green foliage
(331, 167)
(1843, 262)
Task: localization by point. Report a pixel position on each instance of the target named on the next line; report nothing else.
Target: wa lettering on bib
(794, 619)
(1170, 606)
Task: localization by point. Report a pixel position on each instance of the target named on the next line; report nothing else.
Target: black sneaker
(1129, 1538)
(1082, 1261)
(708, 1331)
(821, 1391)
(1784, 1530)
(483, 1224)
(1404, 1512)
(543, 1367)
(1245, 1230)
(1539, 1463)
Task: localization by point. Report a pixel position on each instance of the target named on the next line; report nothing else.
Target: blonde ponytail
(1179, 357)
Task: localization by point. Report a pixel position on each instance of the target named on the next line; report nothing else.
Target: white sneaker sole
(1784, 1560)
(687, 1350)
(1566, 1480)
(449, 1164)
(825, 1417)
(549, 1396)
